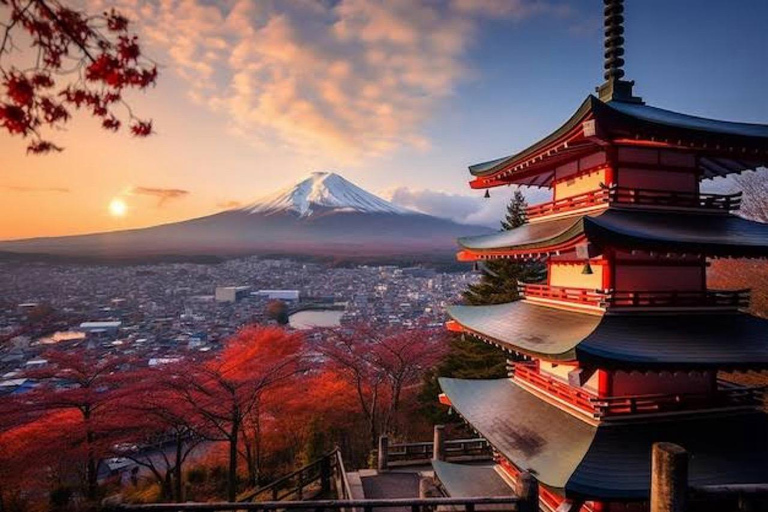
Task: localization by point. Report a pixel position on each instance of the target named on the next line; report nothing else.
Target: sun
(117, 208)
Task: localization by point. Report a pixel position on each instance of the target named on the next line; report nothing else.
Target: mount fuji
(324, 215)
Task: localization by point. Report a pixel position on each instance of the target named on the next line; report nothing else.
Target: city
(169, 311)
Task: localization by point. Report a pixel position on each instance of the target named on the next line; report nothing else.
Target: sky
(398, 96)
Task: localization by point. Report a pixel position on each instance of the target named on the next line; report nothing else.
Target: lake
(310, 318)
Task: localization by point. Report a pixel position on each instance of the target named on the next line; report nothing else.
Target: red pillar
(604, 383)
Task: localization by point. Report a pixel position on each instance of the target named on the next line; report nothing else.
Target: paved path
(391, 485)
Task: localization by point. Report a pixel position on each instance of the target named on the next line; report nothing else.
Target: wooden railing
(576, 295)
(676, 299)
(498, 504)
(731, 396)
(577, 202)
(672, 199)
(574, 396)
(637, 197)
(731, 299)
(315, 478)
(454, 449)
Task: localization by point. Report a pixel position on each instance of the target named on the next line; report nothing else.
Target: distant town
(165, 312)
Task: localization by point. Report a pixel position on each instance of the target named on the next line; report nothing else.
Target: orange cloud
(353, 78)
(229, 205)
(24, 188)
(163, 194)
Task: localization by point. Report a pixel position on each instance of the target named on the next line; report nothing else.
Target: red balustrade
(731, 396)
(727, 395)
(634, 299)
(703, 298)
(574, 396)
(575, 295)
(638, 197)
(577, 202)
(673, 199)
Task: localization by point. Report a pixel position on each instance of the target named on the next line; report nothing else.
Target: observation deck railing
(727, 395)
(626, 196)
(607, 299)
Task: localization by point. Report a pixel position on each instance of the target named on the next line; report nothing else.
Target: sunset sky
(398, 96)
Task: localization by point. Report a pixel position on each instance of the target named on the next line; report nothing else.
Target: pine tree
(469, 358)
(500, 278)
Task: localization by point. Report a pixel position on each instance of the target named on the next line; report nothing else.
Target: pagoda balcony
(726, 396)
(620, 299)
(648, 198)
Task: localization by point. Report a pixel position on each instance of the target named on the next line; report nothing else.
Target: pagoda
(621, 346)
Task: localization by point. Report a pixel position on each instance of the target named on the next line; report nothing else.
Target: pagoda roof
(632, 340)
(530, 328)
(713, 235)
(723, 147)
(606, 462)
(469, 481)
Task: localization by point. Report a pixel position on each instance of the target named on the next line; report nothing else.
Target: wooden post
(383, 453)
(669, 478)
(527, 489)
(325, 475)
(438, 443)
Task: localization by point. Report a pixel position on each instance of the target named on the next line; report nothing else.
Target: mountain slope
(322, 190)
(324, 215)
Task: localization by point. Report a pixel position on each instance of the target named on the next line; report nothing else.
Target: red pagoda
(621, 346)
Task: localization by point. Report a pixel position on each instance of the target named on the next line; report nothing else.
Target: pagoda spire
(614, 88)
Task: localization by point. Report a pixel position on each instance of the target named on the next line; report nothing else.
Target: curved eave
(538, 331)
(723, 147)
(639, 341)
(563, 142)
(712, 235)
(628, 229)
(607, 462)
(726, 341)
(533, 239)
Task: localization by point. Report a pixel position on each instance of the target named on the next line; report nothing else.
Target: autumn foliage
(269, 401)
(71, 60)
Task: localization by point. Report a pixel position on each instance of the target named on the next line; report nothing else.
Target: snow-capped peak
(322, 191)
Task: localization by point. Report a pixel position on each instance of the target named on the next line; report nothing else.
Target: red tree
(380, 363)
(75, 60)
(85, 383)
(157, 431)
(224, 392)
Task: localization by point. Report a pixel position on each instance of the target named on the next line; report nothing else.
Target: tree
(86, 384)
(499, 281)
(223, 392)
(277, 310)
(380, 363)
(158, 432)
(75, 60)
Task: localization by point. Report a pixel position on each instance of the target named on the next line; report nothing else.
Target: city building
(621, 346)
(231, 293)
(100, 327)
(285, 295)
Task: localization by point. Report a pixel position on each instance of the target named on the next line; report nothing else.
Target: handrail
(637, 196)
(643, 298)
(415, 504)
(346, 489)
(313, 466)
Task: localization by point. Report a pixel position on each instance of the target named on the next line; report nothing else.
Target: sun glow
(117, 208)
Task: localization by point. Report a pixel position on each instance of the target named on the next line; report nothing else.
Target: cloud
(162, 194)
(463, 208)
(229, 205)
(340, 79)
(23, 188)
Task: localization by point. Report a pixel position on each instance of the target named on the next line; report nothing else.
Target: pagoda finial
(614, 87)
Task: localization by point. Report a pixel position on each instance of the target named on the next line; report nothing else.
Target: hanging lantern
(587, 270)
(487, 194)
